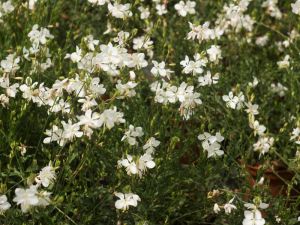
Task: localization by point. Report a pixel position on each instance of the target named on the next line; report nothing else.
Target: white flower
(132, 75)
(194, 67)
(126, 90)
(296, 7)
(120, 10)
(142, 42)
(211, 144)
(26, 197)
(10, 64)
(251, 109)
(296, 135)
(278, 89)
(87, 103)
(189, 104)
(129, 164)
(39, 36)
(54, 135)
(285, 63)
(253, 218)
(228, 207)
(90, 120)
(144, 162)
(258, 129)
(70, 130)
(258, 204)
(161, 9)
(234, 102)
(121, 38)
(75, 56)
(4, 204)
(58, 106)
(132, 133)
(32, 93)
(136, 60)
(201, 32)
(207, 137)
(231, 100)
(214, 53)
(45, 65)
(87, 63)
(110, 117)
(109, 55)
(254, 83)
(91, 42)
(11, 90)
(126, 200)
(216, 208)
(46, 176)
(31, 4)
(95, 88)
(6, 8)
(278, 219)
(188, 98)
(160, 70)
(44, 198)
(164, 92)
(213, 150)
(180, 7)
(293, 35)
(233, 17)
(261, 181)
(182, 90)
(4, 100)
(208, 79)
(272, 8)
(262, 41)
(145, 13)
(139, 166)
(98, 2)
(185, 8)
(150, 145)
(263, 144)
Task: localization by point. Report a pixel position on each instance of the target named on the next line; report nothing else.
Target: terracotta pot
(276, 177)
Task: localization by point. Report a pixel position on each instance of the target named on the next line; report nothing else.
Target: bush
(149, 112)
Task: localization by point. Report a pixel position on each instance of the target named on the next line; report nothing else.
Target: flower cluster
(33, 196)
(84, 126)
(211, 144)
(6, 8)
(228, 207)
(166, 93)
(139, 164)
(253, 215)
(296, 135)
(264, 142)
(234, 102)
(234, 17)
(135, 165)
(272, 8)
